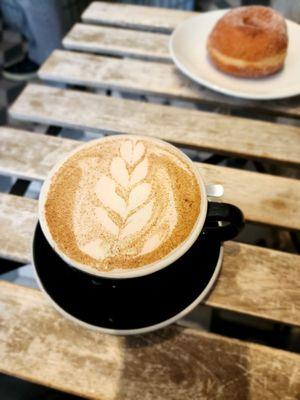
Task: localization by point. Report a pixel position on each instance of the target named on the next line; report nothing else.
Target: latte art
(122, 202)
(127, 206)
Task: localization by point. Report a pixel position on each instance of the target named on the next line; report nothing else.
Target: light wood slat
(99, 39)
(217, 133)
(39, 345)
(258, 282)
(18, 217)
(137, 17)
(133, 76)
(30, 155)
(263, 198)
(253, 280)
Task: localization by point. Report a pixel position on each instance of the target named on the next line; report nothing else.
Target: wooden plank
(30, 155)
(133, 76)
(115, 368)
(164, 80)
(277, 200)
(256, 281)
(99, 39)
(39, 345)
(18, 217)
(137, 17)
(217, 133)
(259, 282)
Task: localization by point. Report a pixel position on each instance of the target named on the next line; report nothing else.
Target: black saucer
(128, 305)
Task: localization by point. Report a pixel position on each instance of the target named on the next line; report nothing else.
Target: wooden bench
(39, 345)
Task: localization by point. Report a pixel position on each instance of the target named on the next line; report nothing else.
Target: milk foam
(128, 207)
(134, 204)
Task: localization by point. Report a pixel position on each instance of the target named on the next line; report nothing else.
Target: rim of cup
(132, 272)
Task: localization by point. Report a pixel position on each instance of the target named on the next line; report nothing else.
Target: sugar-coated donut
(249, 42)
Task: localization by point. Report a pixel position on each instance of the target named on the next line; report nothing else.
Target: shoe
(21, 71)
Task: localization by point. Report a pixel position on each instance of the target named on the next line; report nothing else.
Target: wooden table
(39, 345)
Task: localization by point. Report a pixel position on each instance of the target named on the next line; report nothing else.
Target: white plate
(188, 50)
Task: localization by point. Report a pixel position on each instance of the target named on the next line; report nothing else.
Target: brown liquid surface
(121, 203)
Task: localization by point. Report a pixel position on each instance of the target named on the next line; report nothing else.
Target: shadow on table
(12, 388)
(176, 363)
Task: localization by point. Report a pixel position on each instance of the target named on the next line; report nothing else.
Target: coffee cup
(127, 206)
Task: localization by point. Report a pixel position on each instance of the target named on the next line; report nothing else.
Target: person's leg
(13, 15)
(14, 18)
(43, 28)
(39, 21)
(43, 23)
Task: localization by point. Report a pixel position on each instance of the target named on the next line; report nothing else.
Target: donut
(249, 42)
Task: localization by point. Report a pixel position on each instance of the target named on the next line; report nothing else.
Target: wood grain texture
(99, 39)
(264, 199)
(253, 280)
(258, 281)
(30, 155)
(38, 344)
(217, 133)
(138, 17)
(18, 217)
(132, 76)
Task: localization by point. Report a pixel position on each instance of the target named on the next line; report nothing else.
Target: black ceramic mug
(218, 221)
(148, 296)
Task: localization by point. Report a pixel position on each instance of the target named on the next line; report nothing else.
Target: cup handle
(214, 190)
(230, 215)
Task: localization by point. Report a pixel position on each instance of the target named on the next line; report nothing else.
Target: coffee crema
(122, 202)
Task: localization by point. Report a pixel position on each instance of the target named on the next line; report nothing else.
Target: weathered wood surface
(253, 280)
(100, 39)
(138, 17)
(39, 345)
(135, 76)
(258, 282)
(264, 199)
(18, 217)
(217, 133)
(30, 155)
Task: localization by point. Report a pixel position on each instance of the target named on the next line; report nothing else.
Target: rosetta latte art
(122, 202)
(127, 207)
